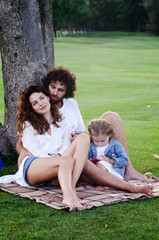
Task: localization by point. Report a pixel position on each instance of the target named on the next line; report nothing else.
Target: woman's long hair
(26, 113)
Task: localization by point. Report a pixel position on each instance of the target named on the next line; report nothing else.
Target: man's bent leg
(103, 178)
(115, 120)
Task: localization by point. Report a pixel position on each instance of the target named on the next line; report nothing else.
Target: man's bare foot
(146, 188)
(134, 175)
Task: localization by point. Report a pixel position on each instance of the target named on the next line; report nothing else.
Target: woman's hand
(24, 153)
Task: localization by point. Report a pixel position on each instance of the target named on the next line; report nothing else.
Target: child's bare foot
(147, 189)
(99, 188)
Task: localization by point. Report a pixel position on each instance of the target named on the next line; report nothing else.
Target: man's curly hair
(64, 76)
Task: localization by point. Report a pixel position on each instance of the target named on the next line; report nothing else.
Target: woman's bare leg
(65, 179)
(79, 151)
(45, 169)
(116, 122)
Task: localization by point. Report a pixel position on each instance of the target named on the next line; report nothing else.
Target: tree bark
(26, 45)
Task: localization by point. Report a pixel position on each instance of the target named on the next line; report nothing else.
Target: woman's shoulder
(27, 126)
(28, 130)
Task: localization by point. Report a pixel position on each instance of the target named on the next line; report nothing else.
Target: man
(61, 84)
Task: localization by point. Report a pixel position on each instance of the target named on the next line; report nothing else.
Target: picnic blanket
(89, 195)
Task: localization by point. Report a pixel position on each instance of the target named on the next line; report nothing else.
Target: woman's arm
(21, 151)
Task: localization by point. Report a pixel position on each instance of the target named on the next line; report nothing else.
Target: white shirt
(71, 113)
(45, 144)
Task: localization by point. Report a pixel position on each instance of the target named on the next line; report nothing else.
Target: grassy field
(115, 72)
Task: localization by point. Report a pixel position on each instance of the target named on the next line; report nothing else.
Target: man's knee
(111, 117)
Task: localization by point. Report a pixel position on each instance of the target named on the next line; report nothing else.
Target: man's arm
(80, 128)
(21, 151)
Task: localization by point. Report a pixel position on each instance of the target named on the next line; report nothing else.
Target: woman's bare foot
(71, 200)
(78, 199)
(146, 188)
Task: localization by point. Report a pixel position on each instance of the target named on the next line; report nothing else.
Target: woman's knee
(70, 161)
(84, 138)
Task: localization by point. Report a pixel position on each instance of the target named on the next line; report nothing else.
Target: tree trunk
(69, 29)
(26, 45)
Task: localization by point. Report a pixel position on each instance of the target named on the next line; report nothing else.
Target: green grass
(115, 72)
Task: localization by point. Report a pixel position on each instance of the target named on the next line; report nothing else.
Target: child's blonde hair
(100, 127)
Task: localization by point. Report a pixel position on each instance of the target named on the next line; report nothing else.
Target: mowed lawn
(115, 72)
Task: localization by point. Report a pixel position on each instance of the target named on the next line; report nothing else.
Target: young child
(106, 152)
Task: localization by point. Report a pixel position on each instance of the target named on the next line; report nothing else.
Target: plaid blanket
(89, 195)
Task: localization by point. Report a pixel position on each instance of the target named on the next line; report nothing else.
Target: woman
(47, 137)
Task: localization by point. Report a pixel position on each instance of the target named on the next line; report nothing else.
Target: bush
(11, 157)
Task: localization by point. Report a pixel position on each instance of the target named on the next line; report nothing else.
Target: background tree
(112, 15)
(105, 15)
(26, 45)
(134, 15)
(70, 15)
(152, 7)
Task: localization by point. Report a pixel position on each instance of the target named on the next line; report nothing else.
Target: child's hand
(109, 160)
